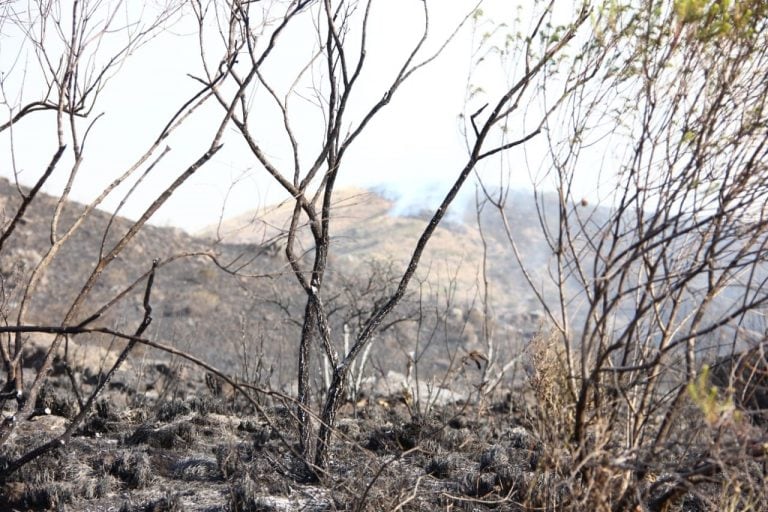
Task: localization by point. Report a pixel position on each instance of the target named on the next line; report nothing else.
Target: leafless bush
(339, 57)
(669, 265)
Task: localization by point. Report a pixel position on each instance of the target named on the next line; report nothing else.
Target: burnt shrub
(133, 469)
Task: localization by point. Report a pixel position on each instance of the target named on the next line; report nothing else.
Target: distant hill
(365, 227)
(251, 325)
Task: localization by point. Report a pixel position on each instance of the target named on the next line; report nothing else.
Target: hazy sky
(414, 148)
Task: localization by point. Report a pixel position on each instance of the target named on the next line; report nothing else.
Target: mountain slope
(364, 226)
(248, 319)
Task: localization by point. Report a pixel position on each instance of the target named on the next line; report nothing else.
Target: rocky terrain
(165, 439)
(227, 295)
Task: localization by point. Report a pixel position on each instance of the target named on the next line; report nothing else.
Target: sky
(414, 149)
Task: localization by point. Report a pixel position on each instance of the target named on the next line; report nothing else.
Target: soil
(184, 445)
(209, 452)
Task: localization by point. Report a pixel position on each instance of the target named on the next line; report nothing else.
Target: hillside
(364, 227)
(247, 318)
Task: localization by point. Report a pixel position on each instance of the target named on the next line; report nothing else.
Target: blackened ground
(158, 452)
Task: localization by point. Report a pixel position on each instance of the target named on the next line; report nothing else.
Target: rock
(746, 374)
(46, 427)
(90, 359)
(396, 385)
